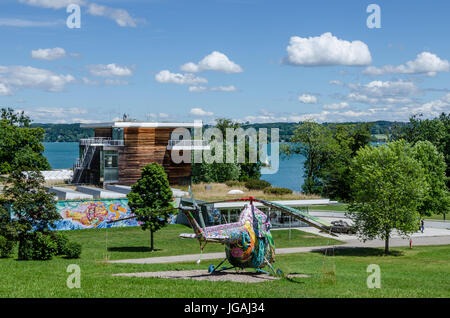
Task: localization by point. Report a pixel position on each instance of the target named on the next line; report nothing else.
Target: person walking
(422, 225)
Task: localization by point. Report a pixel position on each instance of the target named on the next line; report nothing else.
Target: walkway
(394, 242)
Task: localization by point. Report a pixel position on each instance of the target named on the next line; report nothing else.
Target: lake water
(62, 155)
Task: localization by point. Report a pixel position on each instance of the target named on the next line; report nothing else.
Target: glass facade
(110, 166)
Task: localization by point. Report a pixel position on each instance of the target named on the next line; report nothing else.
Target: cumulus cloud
(166, 76)
(307, 99)
(200, 112)
(110, 70)
(18, 77)
(121, 16)
(326, 50)
(48, 54)
(377, 92)
(56, 114)
(215, 61)
(52, 4)
(336, 106)
(199, 89)
(425, 63)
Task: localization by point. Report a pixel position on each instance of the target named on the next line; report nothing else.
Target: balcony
(100, 141)
(188, 145)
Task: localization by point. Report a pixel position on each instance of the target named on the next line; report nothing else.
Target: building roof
(137, 124)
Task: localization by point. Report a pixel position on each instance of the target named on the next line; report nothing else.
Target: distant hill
(73, 132)
(64, 132)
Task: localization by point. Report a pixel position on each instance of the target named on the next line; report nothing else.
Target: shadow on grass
(357, 251)
(132, 249)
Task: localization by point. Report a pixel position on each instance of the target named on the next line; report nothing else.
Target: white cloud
(326, 50)
(215, 61)
(52, 4)
(307, 99)
(48, 54)
(109, 70)
(336, 82)
(199, 89)
(200, 112)
(17, 77)
(55, 114)
(21, 23)
(336, 106)
(166, 76)
(377, 92)
(121, 16)
(425, 63)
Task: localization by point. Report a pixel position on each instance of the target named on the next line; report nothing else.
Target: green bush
(73, 250)
(254, 184)
(43, 246)
(26, 248)
(61, 241)
(6, 247)
(277, 191)
(233, 183)
(37, 246)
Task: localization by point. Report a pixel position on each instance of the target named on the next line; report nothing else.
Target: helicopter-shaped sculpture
(248, 242)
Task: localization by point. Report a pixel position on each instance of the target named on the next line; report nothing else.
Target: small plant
(6, 247)
(254, 184)
(277, 191)
(72, 250)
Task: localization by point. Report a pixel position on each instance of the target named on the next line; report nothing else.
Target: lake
(62, 155)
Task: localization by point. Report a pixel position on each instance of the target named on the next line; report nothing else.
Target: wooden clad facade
(146, 145)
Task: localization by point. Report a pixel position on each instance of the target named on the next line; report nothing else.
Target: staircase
(83, 163)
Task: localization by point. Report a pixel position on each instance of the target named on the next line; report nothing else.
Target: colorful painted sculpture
(248, 242)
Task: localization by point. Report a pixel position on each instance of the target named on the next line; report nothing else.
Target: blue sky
(257, 61)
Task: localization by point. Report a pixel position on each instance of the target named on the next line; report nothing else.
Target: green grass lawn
(331, 208)
(419, 272)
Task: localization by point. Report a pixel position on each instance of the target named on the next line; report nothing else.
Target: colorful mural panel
(93, 214)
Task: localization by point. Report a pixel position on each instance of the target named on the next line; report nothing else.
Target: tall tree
(387, 190)
(436, 131)
(150, 199)
(437, 199)
(21, 146)
(223, 171)
(33, 209)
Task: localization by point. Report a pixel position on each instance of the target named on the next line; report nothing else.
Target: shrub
(233, 183)
(26, 248)
(277, 191)
(43, 246)
(6, 247)
(61, 241)
(254, 184)
(73, 250)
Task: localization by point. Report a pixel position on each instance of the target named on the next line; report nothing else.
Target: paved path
(430, 240)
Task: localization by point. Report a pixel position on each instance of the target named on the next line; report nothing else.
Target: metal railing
(187, 143)
(105, 141)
